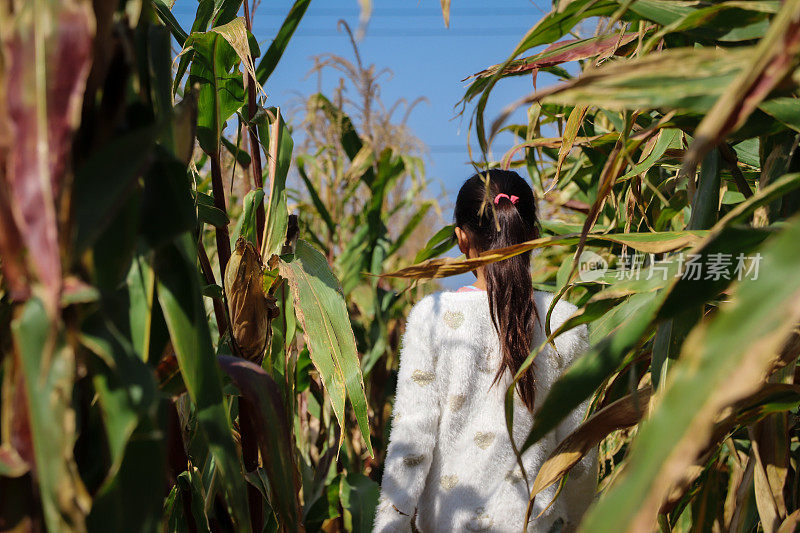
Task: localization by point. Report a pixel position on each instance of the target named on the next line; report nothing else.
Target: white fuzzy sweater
(449, 459)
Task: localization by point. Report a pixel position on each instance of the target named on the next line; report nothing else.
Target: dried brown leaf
(443, 267)
(621, 414)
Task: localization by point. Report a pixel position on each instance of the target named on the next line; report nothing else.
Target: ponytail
(508, 219)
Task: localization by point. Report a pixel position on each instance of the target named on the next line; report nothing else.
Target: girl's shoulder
(469, 300)
(466, 312)
(449, 308)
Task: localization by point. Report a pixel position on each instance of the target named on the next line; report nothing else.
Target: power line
(386, 12)
(462, 149)
(403, 12)
(406, 32)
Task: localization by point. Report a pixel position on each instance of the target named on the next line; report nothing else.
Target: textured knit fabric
(450, 461)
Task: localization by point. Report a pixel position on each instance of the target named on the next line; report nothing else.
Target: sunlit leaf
(321, 310)
(221, 91)
(645, 242)
(772, 59)
(277, 141)
(246, 225)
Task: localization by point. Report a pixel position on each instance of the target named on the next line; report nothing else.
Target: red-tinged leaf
(44, 91)
(273, 431)
(11, 248)
(14, 414)
(561, 52)
(11, 464)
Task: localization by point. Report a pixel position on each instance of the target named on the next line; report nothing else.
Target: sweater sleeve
(581, 485)
(414, 424)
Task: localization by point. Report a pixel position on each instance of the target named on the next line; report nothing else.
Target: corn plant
(156, 349)
(362, 189)
(675, 144)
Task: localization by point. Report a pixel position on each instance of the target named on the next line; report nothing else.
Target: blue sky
(426, 59)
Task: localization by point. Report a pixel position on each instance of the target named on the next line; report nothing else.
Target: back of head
(497, 209)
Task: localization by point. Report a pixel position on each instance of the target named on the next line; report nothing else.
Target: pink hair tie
(513, 199)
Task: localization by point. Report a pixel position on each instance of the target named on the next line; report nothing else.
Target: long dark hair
(509, 286)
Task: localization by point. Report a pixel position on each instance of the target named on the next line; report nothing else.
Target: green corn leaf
(242, 157)
(322, 312)
(273, 55)
(96, 196)
(47, 366)
(662, 12)
(221, 86)
(350, 140)
(414, 221)
(169, 20)
(181, 302)
(706, 202)
(126, 502)
(359, 496)
(442, 241)
(190, 483)
(319, 205)
(626, 329)
(696, 77)
(225, 11)
(207, 212)
(667, 138)
(202, 18)
(124, 385)
(600, 362)
(785, 109)
(246, 225)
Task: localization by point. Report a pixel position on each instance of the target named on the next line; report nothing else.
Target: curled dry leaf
(660, 242)
(792, 523)
(621, 414)
(251, 310)
(627, 411)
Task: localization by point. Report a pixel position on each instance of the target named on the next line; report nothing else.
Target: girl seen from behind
(450, 465)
